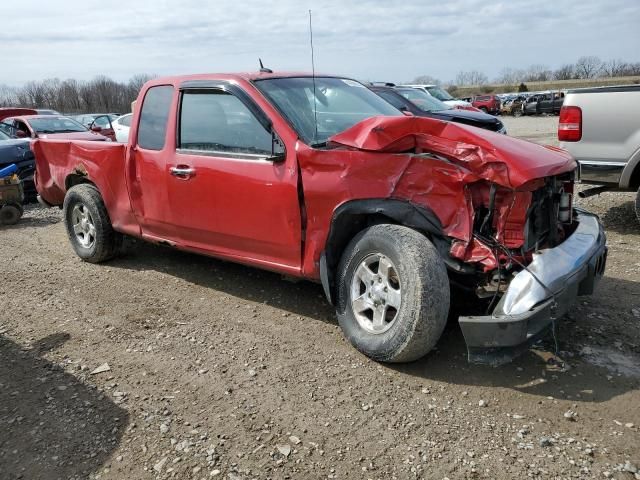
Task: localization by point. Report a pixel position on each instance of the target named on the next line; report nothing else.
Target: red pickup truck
(319, 178)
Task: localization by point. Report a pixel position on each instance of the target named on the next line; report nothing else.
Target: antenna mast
(313, 78)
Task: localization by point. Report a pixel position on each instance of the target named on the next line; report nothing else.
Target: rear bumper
(527, 308)
(600, 173)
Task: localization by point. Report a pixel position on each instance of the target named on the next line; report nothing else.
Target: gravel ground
(207, 369)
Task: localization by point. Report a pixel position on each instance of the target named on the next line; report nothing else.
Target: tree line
(586, 67)
(102, 94)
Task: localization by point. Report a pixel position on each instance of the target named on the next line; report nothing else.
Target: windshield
(339, 104)
(4, 136)
(56, 125)
(423, 100)
(440, 94)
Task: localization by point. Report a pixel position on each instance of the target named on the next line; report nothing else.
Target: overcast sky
(367, 39)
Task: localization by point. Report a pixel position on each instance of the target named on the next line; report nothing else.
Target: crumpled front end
(504, 207)
(539, 295)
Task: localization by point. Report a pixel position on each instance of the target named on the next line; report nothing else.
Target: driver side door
(228, 195)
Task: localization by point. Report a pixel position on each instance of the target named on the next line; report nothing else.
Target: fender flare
(354, 216)
(632, 167)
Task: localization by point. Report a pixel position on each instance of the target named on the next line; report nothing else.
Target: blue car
(18, 151)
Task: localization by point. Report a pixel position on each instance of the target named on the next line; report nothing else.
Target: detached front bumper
(528, 308)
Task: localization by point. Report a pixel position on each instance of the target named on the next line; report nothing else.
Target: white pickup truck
(600, 127)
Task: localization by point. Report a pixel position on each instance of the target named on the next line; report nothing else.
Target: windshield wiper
(319, 144)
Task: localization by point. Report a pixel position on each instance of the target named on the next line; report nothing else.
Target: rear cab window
(154, 116)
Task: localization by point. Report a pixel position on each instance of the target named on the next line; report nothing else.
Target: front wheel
(88, 225)
(638, 204)
(393, 293)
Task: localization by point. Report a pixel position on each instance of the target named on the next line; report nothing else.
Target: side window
(154, 116)
(126, 120)
(392, 99)
(19, 125)
(102, 122)
(216, 121)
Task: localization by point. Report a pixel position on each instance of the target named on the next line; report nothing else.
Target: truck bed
(55, 159)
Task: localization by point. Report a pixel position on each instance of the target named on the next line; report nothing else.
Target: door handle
(182, 171)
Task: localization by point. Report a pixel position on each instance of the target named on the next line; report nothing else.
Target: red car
(487, 103)
(50, 126)
(319, 178)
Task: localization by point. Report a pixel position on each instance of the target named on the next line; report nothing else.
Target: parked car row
(532, 103)
(417, 102)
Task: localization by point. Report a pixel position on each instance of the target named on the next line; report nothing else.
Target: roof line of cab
(240, 76)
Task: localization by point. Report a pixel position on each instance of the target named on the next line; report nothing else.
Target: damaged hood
(501, 159)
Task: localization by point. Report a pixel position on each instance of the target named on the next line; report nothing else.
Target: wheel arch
(77, 178)
(630, 178)
(352, 217)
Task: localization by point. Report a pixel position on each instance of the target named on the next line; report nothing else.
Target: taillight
(570, 124)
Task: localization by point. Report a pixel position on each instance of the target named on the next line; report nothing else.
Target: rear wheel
(393, 293)
(638, 204)
(88, 225)
(517, 112)
(10, 214)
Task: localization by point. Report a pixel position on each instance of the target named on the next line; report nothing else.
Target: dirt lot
(221, 371)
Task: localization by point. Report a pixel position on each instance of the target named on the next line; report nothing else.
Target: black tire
(517, 112)
(10, 214)
(106, 242)
(483, 110)
(424, 292)
(638, 204)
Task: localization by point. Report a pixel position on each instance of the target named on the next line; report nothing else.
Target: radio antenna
(263, 69)
(313, 79)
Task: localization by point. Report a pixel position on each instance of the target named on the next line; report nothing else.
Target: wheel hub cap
(376, 293)
(83, 227)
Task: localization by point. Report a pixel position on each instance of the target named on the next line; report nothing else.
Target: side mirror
(96, 128)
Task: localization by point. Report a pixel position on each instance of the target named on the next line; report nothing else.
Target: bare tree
(631, 69)
(510, 76)
(472, 77)
(614, 68)
(565, 72)
(537, 73)
(426, 80)
(8, 96)
(102, 94)
(588, 67)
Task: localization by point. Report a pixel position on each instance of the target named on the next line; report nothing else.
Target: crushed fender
(432, 164)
